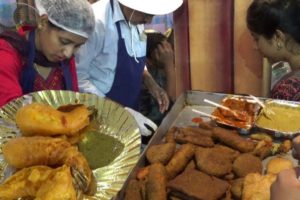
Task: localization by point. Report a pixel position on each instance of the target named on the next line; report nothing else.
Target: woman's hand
(286, 185)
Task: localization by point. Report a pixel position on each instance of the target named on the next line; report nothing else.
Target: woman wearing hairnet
(41, 57)
(112, 62)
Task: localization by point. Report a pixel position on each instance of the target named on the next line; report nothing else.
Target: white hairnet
(75, 16)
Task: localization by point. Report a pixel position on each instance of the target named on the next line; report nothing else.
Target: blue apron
(28, 72)
(127, 82)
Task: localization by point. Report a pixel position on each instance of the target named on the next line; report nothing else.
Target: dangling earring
(279, 46)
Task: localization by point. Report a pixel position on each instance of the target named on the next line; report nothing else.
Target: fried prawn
(37, 150)
(45, 120)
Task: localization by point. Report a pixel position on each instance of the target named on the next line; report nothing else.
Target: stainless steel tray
(284, 122)
(182, 114)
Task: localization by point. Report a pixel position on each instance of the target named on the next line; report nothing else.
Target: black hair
(264, 17)
(153, 40)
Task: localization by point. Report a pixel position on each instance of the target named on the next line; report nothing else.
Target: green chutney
(99, 149)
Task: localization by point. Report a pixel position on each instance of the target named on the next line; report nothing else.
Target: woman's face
(268, 48)
(57, 45)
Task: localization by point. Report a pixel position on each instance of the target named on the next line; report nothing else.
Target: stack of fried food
(48, 166)
(205, 163)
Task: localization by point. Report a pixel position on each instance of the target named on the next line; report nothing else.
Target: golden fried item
(246, 164)
(257, 186)
(58, 186)
(263, 149)
(184, 137)
(233, 139)
(42, 119)
(156, 185)
(179, 161)
(37, 150)
(285, 146)
(24, 183)
(197, 131)
(161, 153)
(41, 182)
(237, 188)
(261, 136)
(133, 190)
(170, 135)
(24, 152)
(212, 161)
(278, 164)
(193, 184)
(142, 173)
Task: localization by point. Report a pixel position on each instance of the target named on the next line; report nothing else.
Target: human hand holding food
(287, 185)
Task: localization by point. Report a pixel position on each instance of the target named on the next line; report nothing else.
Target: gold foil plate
(285, 120)
(114, 120)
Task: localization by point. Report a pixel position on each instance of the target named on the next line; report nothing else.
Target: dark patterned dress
(288, 88)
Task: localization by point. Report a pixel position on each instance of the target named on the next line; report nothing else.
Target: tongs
(266, 111)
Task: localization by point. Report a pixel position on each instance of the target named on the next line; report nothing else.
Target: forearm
(170, 87)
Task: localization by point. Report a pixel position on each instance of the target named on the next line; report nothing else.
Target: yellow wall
(207, 52)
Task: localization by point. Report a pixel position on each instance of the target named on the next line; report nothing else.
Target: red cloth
(11, 63)
(288, 88)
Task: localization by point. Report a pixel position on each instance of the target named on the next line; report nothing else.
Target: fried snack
(212, 161)
(200, 140)
(227, 152)
(263, 149)
(133, 190)
(191, 165)
(44, 120)
(278, 164)
(228, 177)
(142, 173)
(233, 139)
(285, 146)
(25, 182)
(170, 135)
(40, 182)
(257, 186)
(160, 153)
(193, 184)
(237, 188)
(24, 152)
(179, 161)
(197, 131)
(246, 164)
(261, 136)
(156, 185)
(205, 125)
(58, 186)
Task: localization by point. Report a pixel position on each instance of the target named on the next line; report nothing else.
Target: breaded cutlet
(195, 185)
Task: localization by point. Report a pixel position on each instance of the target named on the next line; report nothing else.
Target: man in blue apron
(112, 62)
